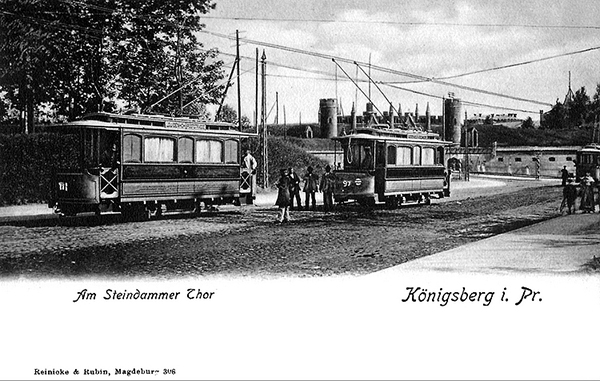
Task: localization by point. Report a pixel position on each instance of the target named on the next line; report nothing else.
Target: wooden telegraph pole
(265, 165)
(239, 93)
(467, 162)
(256, 98)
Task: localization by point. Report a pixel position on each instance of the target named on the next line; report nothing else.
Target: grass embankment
(289, 152)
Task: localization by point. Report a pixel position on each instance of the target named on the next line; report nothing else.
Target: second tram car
(588, 161)
(392, 166)
(144, 165)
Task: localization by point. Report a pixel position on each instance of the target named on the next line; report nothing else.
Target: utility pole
(277, 108)
(443, 118)
(237, 58)
(467, 162)
(284, 124)
(369, 76)
(256, 98)
(265, 165)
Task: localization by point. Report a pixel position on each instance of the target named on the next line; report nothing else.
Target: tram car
(145, 165)
(391, 165)
(588, 161)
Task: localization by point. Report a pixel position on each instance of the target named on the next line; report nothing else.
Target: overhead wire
(405, 23)
(341, 59)
(379, 68)
(418, 78)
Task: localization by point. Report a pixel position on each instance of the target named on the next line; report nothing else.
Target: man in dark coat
(294, 188)
(569, 196)
(311, 186)
(283, 196)
(327, 183)
(564, 174)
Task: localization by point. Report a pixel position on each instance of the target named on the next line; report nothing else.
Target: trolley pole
(239, 93)
(265, 165)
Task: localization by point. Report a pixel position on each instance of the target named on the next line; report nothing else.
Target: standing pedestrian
(249, 166)
(587, 194)
(249, 162)
(294, 189)
(311, 186)
(569, 196)
(327, 183)
(283, 196)
(564, 175)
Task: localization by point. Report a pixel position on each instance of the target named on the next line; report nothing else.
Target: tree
(82, 57)
(577, 109)
(556, 117)
(228, 114)
(528, 123)
(594, 107)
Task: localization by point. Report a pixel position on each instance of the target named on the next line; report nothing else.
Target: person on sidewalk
(283, 196)
(294, 189)
(327, 183)
(569, 197)
(311, 186)
(564, 174)
(587, 194)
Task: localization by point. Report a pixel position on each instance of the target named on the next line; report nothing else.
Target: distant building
(510, 119)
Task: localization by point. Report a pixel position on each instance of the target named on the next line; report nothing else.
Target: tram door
(248, 185)
(108, 163)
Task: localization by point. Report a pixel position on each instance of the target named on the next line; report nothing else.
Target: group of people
(570, 194)
(288, 191)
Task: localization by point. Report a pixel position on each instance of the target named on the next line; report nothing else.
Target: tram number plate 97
(63, 186)
(347, 183)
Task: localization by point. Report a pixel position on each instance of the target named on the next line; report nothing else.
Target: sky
(429, 39)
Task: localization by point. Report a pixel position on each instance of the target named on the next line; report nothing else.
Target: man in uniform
(249, 164)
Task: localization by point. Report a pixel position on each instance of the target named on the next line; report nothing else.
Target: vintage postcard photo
(235, 189)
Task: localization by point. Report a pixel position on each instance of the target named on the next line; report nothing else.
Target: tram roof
(152, 123)
(591, 148)
(397, 135)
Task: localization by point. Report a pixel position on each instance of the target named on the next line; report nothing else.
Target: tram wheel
(369, 201)
(391, 202)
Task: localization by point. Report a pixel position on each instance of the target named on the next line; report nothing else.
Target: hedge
(27, 162)
(284, 154)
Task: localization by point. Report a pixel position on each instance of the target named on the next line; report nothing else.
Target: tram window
(428, 156)
(185, 150)
(161, 150)
(209, 151)
(391, 155)
(353, 157)
(231, 151)
(416, 155)
(551, 159)
(380, 155)
(439, 158)
(569, 158)
(517, 159)
(404, 156)
(501, 159)
(132, 149)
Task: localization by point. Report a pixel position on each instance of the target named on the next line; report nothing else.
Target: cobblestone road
(246, 241)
